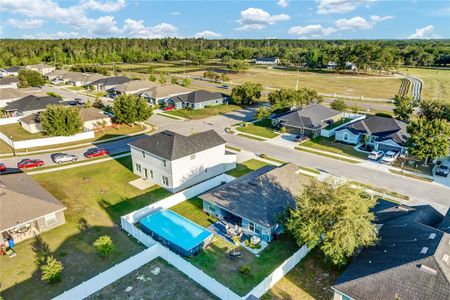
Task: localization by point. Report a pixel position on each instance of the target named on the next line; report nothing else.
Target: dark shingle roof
(171, 145)
(381, 127)
(8, 80)
(445, 224)
(259, 196)
(31, 103)
(22, 200)
(199, 97)
(312, 116)
(115, 80)
(12, 69)
(407, 262)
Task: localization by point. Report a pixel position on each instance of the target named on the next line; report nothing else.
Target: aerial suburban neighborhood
(276, 150)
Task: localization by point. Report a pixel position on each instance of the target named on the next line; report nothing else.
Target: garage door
(386, 148)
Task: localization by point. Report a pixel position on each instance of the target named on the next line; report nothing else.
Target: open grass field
(247, 167)
(260, 128)
(436, 82)
(195, 114)
(154, 280)
(347, 85)
(96, 196)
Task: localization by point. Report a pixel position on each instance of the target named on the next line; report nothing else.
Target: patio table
(255, 240)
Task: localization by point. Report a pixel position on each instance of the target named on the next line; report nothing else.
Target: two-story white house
(176, 161)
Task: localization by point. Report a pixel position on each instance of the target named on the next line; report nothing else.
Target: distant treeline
(376, 54)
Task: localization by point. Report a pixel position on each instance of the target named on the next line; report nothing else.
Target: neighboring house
(42, 68)
(348, 66)
(134, 87)
(257, 200)
(161, 94)
(309, 120)
(198, 99)
(411, 260)
(30, 104)
(9, 83)
(266, 61)
(11, 71)
(26, 208)
(9, 95)
(176, 161)
(69, 77)
(56, 74)
(92, 118)
(383, 133)
(108, 83)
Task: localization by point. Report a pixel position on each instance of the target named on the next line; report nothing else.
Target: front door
(145, 173)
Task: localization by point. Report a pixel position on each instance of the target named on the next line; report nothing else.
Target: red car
(30, 163)
(96, 152)
(2, 167)
(167, 108)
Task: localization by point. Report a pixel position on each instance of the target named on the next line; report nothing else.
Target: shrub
(283, 129)
(245, 270)
(186, 82)
(263, 113)
(52, 94)
(98, 103)
(41, 251)
(152, 78)
(386, 115)
(339, 105)
(104, 245)
(51, 271)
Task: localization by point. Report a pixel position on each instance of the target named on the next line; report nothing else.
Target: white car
(376, 155)
(389, 157)
(60, 158)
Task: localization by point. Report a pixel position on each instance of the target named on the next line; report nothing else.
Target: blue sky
(317, 19)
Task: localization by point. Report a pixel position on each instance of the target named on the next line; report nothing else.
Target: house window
(138, 167)
(165, 180)
(206, 170)
(251, 226)
(212, 209)
(345, 136)
(50, 219)
(151, 173)
(192, 156)
(164, 163)
(143, 154)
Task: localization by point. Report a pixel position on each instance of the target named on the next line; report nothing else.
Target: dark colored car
(2, 167)
(300, 138)
(442, 170)
(96, 152)
(30, 163)
(76, 102)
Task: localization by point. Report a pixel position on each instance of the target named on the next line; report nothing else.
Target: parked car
(30, 163)
(76, 102)
(300, 138)
(167, 108)
(2, 167)
(111, 95)
(224, 86)
(389, 157)
(60, 158)
(96, 152)
(376, 155)
(442, 170)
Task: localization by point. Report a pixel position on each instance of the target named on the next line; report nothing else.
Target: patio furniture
(255, 240)
(234, 254)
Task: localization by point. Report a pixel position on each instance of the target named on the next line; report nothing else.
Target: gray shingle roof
(115, 80)
(445, 224)
(407, 262)
(8, 80)
(12, 69)
(22, 199)
(170, 145)
(199, 96)
(312, 116)
(31, 103)
(259, 196)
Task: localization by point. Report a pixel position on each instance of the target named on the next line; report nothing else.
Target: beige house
(9, 95)
(161, 93)
(26, 208)
(134, 87)
(42, 68)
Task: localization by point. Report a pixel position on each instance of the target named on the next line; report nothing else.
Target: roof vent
(424, 250)
(370, 261)
(385, 251)
(427, 269)
(432, 236)
(445, 258)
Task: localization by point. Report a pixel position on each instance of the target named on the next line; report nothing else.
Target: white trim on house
(35, 219)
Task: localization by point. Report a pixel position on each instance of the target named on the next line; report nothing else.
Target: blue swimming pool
(178, 233)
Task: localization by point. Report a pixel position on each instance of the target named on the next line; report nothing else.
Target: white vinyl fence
(48, 141)
(331, 132)
(12, 120)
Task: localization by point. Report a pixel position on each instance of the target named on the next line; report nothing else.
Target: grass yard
(154, 280)
(247, 167)
(348, 85)
(112, 132)
(308, 150)
(311, 279)
(96, 196)
(436, 82)
(325, 144)
(76, 88)
(252, 137)
(195, 114)
(261, 128)
(338, 123)
(192, 209)
(18, 133)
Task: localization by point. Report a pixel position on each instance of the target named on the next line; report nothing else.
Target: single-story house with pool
(256, 201)
(385, 134)
(198, 99)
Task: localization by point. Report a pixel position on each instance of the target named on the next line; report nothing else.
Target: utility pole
(298, 72)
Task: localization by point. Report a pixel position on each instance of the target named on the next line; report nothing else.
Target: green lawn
(96, 196)
(252, 137)
(435, 82)
(192, 209)
(338, 123)
(195, 114)
(18, 133)
(261, 128)
(325, 144)
(76, 88)
(247, 167)
(309, 150)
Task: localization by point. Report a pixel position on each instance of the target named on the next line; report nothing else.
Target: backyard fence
(137, 233)
(330, 132)
(11, 120)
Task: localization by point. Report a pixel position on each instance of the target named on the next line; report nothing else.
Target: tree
(263, 113)
(104, 245)
(51, 271)
(306, 96)
(339, 104)
(246, 93)
(186, 82)
(128, 109)
(59, 120)
(88, 103)
(98, 103)
(282, 98)
(29, 78)
(41, 251)
(225, 77)
(403, 107)
(174, 80)
(238, 65)
(435, 109)
(162, 79)
(152, 78)
(428, 138)
(334, 217)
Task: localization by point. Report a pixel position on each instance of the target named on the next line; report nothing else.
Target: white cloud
(207, 34)
(424, 33)
(360, 23)
(314, 31)
(51, 36)
(105, 6)
(25, 24)
(136, 28)
(340, 6)
(282, 3)
(175, 13)
(257, 18)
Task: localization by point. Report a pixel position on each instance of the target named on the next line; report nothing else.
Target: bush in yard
(173, 80)
(245, 270)
(58, 120)
(51, 271)
(339, 105)
(152, 78)
(29, 78)
(162, 79)
(104, 245)
(263, 113)
(128, 109)
(98, 103)
(186, 82)
(51, 94)
(283, 130)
